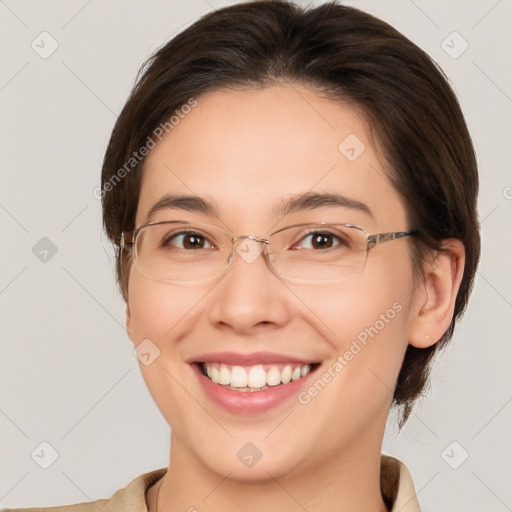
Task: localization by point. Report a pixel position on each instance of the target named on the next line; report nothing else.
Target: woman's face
(246, 154)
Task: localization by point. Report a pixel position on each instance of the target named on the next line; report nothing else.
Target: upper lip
(237, 359)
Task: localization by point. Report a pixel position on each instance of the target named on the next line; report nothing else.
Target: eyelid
(179, 232)
(312, 227)
(303, 229)
(321, 230)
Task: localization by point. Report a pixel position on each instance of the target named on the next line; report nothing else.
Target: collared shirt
(396, 486)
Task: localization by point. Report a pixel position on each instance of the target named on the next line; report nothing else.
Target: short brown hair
(351, 56)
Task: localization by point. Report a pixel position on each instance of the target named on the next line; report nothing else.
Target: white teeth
(238, 377)
(224, 375)
(214, 374)
(286, 374)
(296, 373)
(257, 378)
(273, 376)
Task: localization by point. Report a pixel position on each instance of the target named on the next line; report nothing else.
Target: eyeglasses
(177, 251)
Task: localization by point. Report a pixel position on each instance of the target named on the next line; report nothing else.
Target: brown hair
(351, 56)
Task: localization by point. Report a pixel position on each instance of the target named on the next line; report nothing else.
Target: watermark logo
(44, 45)
(351, 147)
(44, 250)
(249, 454)
(249, 250)
(146, 352)
(454, 455)
(454, 45)
(44, 455)
(342, 360)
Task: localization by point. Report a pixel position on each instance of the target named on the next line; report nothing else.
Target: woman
(292, 193)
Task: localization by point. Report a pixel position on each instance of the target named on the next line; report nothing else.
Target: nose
(250, 297)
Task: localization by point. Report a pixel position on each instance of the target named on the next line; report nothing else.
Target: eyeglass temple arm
(373, 240)
(125, 240)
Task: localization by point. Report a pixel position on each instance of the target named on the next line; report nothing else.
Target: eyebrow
(307, 201)
(313, 200)
(179, 202)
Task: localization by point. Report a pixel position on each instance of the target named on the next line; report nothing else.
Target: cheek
(366, 332)
(159, 311)
(164, 314)
(362, 308)
(365, 320)
(161, 314)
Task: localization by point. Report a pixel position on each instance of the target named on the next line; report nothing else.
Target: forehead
(248, 151)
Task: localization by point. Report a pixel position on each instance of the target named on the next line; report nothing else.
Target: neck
(348, 481)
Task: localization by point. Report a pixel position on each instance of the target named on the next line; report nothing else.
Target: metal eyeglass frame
(371, 239)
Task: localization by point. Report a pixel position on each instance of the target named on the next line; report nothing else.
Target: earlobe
(434, 303)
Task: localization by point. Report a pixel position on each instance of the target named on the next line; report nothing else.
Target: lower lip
(250, 402)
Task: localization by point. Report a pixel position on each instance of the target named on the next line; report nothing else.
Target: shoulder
(131, 498)
(397, 486)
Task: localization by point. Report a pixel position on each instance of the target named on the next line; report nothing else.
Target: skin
(247, 151)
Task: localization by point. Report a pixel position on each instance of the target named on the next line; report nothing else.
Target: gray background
(68, 376)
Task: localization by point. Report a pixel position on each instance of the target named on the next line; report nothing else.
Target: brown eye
(187, 240)
(320, 240)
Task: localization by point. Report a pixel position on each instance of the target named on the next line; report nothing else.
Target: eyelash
(169, 238)
(324, 233)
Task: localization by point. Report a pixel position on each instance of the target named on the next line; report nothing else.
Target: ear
(128, 321)
(434, 300)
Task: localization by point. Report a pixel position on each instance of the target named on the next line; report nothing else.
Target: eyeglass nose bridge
(237, 240)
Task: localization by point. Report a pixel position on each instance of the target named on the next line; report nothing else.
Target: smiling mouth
(256, 377)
